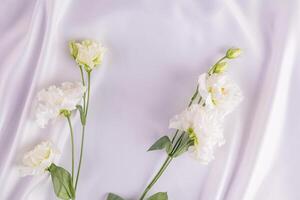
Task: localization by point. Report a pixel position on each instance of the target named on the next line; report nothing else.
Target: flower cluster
(203, 121)
(199, 128)
(204, 127)
(219, 92)
(62, 100)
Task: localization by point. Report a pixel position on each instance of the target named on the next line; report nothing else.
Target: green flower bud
(73, 49)
(233, 53)
(220, 67)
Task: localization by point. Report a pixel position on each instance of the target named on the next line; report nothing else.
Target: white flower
(87, 53)
(39, 159)
(53, 100)
(219, 92)
(204, 127)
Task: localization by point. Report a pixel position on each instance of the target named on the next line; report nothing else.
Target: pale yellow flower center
(212, 91)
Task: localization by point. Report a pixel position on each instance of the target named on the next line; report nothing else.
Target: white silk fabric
(155, 51)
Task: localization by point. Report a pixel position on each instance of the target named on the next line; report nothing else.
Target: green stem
(200, 99)
(164, 166)
(83, 129)
(157, 176)
(81, 154)
(175, 135)
(83, 83)
(88, 93)
(177, 144)
(194, 96)
(72, 142)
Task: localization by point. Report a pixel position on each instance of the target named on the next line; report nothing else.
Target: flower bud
(87, 53)
(233, 53)
(220, 67)
(73, 49)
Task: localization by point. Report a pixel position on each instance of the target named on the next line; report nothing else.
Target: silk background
(155, 51)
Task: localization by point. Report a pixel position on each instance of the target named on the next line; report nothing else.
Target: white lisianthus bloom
(87, 53)
(219, 92)
(53, 100)
(39, 159)
(204, 127)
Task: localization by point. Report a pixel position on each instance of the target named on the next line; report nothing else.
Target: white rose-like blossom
(37, 161)
(220, 92)
(87, 53)
(204, 126)
(53, 100)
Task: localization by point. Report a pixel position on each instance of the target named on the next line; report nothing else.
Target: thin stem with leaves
(157, 176)
(86, 98)
(177, 145)
(182, 139)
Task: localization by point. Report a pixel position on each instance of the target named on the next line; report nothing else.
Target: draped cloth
(155, 51)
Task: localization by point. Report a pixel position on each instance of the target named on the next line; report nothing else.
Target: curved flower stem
(83, 127)
(157, 176)
(72, 142)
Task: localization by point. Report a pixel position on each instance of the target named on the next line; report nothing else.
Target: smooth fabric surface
(155, 51)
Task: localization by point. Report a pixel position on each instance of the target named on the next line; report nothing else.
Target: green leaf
(112, 196)
(159, 196)
(62, 182)
(82, 114)
(161, 143)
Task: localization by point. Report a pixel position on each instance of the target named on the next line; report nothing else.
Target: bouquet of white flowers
(199, 128)
(63, 100)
